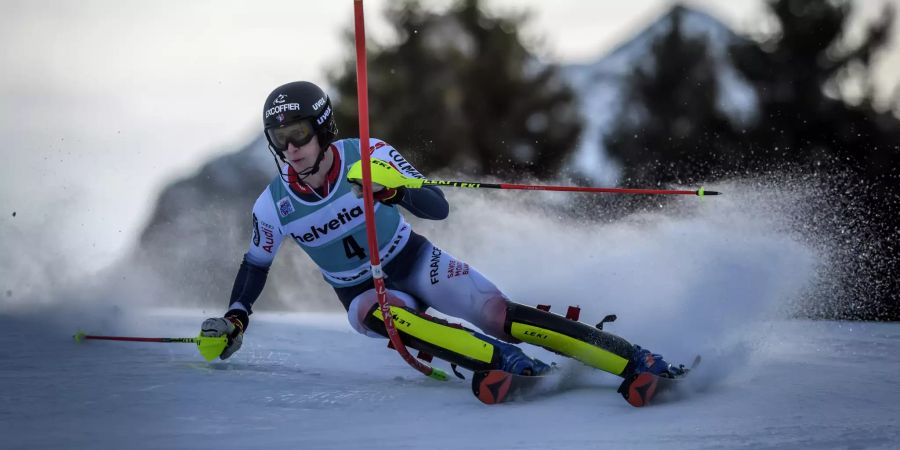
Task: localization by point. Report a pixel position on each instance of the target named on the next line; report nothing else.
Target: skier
(313, 203)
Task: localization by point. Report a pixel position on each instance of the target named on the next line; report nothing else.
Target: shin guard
(567, 337)
(451, 342)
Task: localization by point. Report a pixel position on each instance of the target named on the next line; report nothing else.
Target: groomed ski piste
(713, 276)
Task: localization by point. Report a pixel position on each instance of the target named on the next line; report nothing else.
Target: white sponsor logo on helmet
(279, 100)
(324, 116)
(319, 104)
(282, 108)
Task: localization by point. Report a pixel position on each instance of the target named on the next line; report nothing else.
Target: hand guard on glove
(232, 325)
(388, 184)
(379, 193)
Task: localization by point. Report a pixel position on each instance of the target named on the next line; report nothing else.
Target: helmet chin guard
(279, 155)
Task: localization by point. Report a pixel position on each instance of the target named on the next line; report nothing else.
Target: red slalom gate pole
(368, 202)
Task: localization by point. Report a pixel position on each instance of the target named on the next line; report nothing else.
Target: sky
(104, 102)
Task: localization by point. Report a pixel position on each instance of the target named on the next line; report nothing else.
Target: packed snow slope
(714, 277)
(307, 381)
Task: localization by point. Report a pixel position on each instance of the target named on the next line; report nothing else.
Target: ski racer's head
(296, 114)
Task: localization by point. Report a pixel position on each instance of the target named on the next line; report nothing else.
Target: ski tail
(640, 389)
(645, 388)
(492, 387)
(496, 386)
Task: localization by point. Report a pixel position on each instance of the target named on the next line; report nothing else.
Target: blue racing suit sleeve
(248, 284)
(427, 202)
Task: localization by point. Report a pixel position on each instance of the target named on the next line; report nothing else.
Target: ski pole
(530, 187)
(391, 178)
(369, 205)
(209, 347)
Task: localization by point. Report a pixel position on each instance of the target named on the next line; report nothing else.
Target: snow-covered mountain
(599, 84)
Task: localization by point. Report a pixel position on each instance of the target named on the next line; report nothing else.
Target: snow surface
(712, 276)
(308, 381)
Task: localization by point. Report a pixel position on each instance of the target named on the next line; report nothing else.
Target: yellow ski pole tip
(79, 336)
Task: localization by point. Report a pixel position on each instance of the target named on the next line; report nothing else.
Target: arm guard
(427, 202)
(248, 284)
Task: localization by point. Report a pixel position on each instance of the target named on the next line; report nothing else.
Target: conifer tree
(459, 89)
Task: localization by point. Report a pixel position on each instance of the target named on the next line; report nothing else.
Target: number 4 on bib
(352, 249)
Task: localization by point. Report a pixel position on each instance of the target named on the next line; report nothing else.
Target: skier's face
(303, 157)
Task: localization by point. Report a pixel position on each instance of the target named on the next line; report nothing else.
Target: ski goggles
(297, 133)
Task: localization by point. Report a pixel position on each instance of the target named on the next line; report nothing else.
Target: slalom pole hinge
(609, 318)
(457, 372)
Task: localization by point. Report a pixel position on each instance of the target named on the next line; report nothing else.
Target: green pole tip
(703, 192)
(438, 374)
(79, 336)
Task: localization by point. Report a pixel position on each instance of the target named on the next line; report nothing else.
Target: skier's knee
(362, 306)
(493, 317)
